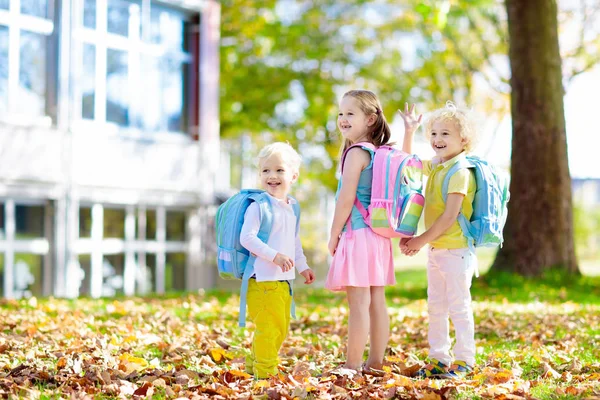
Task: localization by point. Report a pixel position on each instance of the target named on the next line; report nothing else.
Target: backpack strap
(370, 147)
(266, 223)
(296, 208)
(464, 223)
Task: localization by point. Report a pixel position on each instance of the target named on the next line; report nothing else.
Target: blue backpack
(234, 261)
(484, 229)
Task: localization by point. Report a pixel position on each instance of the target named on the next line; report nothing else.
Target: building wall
(104, 184)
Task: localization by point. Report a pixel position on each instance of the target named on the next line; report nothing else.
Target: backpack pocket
(410, 213)
(380, 215)
(231, 263)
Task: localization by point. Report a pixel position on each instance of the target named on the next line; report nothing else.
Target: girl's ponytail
(381, 133)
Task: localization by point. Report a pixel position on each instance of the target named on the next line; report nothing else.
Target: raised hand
(411, 120)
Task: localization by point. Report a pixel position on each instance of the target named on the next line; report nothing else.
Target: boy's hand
(412, 246)
(333, 242)
(309, 276)
(284, 262)
(411, 121)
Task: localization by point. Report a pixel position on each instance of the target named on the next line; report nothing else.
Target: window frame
(137, 45)
(133, 245)
(16, 22)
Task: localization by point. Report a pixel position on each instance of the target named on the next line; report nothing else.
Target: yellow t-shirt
(463, 181)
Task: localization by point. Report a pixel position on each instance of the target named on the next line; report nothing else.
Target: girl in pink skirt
(362, 262)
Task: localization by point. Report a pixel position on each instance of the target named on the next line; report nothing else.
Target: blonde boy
(451, 264)
(269, 292)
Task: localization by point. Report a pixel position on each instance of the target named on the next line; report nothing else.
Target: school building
(109, 146)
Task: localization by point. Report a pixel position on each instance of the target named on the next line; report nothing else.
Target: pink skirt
(362, 259)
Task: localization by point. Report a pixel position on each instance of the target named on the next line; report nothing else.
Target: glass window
(151, 224)
(117, 94)
(175, 272)
(176, 225)
(112, 273)
(29, 69)
(88, 81)
(167, 27)
(85, 222)
(3, 69)
(29, 221)
(85, 263)
(145, 84)
(89, 14)
(1, 275)
(122, 15)
(146, 279)
(2, 228)
(28, 275)
(114, 223)
(32, 74)
(164, 106)
(37, 8)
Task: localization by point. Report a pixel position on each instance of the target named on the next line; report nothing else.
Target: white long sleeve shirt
(283, 239)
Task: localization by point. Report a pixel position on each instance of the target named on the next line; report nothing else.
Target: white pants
(449, 275)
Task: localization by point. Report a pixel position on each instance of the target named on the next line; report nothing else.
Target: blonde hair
(285, 151)
(368, 103)
(462, 117)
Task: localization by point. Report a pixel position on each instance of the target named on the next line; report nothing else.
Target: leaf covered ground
(536, 340)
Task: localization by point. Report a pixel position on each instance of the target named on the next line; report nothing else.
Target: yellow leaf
(262, 384)
(129, 359)
(218, 354)
(131, 338)
(594, 377)
(243, 374)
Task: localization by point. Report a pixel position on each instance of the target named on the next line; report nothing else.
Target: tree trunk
(539, 230)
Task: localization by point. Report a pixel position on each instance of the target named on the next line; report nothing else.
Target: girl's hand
(411, 121)
(333, 242)
(412, 247)
(309, 276)
(284, 262)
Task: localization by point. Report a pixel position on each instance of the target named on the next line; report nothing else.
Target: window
(2, 228)
(25, 29)
(130, 250)
(25, 231)
(134, 65)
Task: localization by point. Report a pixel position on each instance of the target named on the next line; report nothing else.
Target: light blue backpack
(233, 260)
(485, 227)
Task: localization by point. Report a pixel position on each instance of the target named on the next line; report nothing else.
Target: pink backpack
(396, 195)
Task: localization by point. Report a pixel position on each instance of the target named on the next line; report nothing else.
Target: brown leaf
(144, 390)
(61, 363)
(549, 372)
(431, 396)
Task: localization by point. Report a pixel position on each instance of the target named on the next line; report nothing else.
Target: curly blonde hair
(464, 119)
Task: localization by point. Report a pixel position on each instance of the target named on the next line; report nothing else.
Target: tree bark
(539, 229)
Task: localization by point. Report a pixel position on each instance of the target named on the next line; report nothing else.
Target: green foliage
(586, 221)
(283, 70)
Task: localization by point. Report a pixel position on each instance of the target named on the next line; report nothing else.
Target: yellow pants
(269, 305)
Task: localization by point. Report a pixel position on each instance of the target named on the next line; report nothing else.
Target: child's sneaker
(435, 369)
(458, 370)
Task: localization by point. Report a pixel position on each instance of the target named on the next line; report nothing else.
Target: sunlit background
(124, 124)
